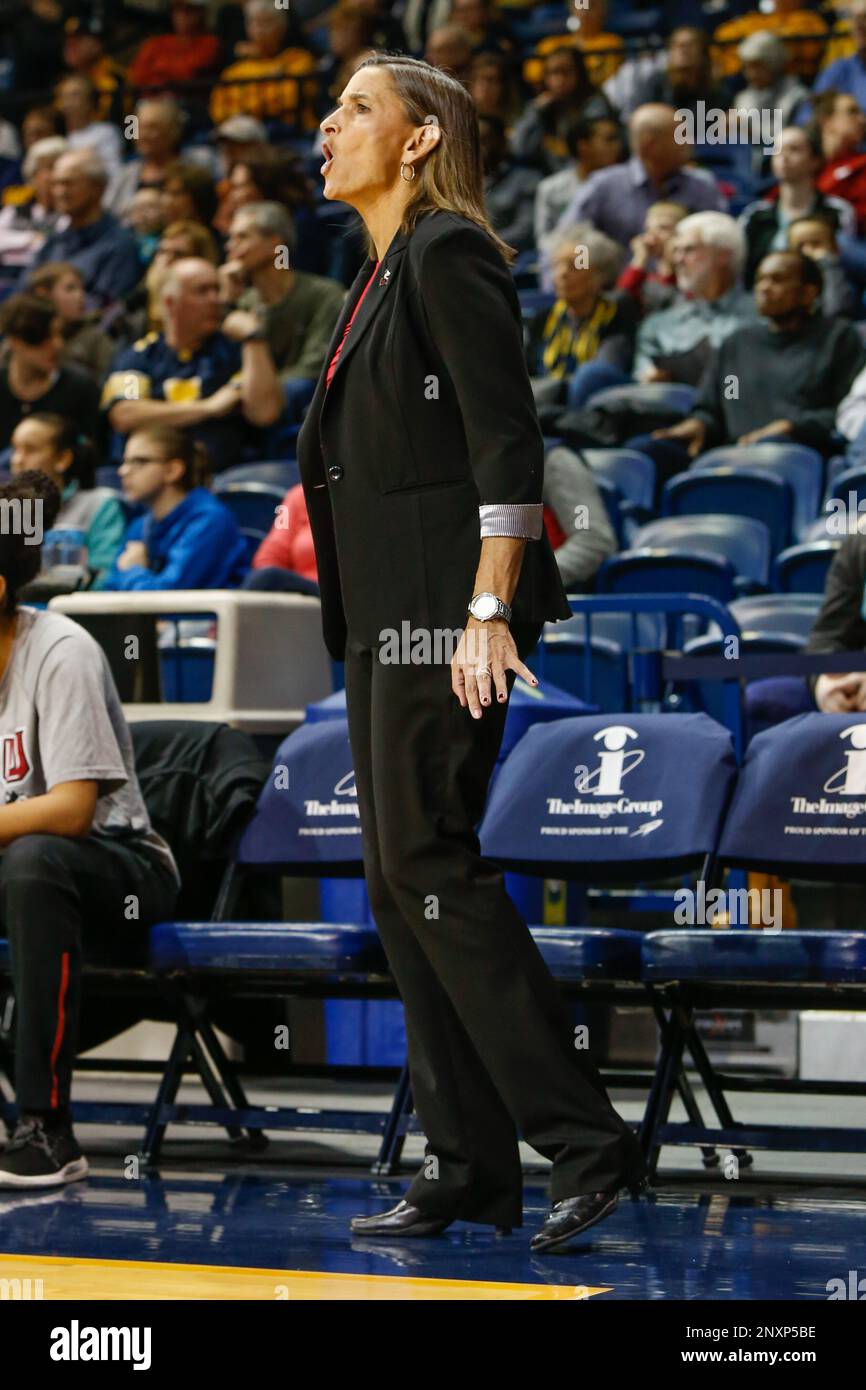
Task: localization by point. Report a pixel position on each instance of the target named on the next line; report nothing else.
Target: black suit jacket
(428, 416)
(840, 627)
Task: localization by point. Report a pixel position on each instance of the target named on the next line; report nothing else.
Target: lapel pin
(386, 276)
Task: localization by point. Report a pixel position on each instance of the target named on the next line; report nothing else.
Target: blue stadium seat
(253, 506)
(663, 396)
(668, 570)
(606, 684)
(845, 482)
(819, 530)
(532, 301)
(740, 492)
(769, 613)
(632, 473)
(802, 569)
(524, 272)
(610, 495)
(801, 468)
(709, 695)
(740, 542)
(107, 475)
(275, 472)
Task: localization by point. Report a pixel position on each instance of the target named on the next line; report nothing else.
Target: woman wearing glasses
(185, 538)
(421, 460)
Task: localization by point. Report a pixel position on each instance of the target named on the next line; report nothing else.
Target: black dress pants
(62, 899)
(491, 1045)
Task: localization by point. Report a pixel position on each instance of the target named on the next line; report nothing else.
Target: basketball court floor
(213, 1223)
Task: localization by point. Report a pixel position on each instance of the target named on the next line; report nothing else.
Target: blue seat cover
(307, 812)
(748, 953)
(630, 791)
(801, 798)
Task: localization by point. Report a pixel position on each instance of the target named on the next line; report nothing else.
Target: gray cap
(243, 129)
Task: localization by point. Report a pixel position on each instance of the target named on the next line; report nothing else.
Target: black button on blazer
(429, 415)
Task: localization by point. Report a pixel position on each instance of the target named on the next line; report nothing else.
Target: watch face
(484, 607)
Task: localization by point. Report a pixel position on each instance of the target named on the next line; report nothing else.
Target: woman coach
(421, 460)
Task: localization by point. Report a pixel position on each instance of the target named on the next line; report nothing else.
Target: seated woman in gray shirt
(80, 865)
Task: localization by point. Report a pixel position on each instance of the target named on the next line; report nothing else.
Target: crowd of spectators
(171, 277)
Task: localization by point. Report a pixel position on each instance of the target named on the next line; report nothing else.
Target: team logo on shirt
(16, 763)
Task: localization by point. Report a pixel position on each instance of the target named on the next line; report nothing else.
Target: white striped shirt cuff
(519, 519)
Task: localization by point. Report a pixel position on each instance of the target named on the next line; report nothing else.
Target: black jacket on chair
(429, 416)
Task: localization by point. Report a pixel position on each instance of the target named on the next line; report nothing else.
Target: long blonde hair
(451, 177)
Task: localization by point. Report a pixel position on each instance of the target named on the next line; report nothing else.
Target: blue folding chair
(305, 823)
(796, 810)
(801, 468)
(602, 799)
(802, 569)
(740, 492)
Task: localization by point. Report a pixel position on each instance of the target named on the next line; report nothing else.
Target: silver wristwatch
(484, 607)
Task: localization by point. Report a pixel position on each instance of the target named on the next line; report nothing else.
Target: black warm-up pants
(62, 900)
(491, 1044)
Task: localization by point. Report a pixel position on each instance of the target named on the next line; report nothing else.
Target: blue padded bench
(582, 954)
(327, 949)
(323, 948)
(747, 955)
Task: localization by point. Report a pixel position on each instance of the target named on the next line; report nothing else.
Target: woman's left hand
(485, 652)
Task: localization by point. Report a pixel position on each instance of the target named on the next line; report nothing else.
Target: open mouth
(329, 158)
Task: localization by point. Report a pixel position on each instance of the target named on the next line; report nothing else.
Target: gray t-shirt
(61, 720)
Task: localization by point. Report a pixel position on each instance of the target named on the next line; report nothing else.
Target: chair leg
(394, 1133)
(166, 1092)
(713, 1087)
(684, 1086)
(211, 1083)
(661, 1093)
(257, 1138)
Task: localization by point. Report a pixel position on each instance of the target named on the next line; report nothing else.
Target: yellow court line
(60, 1277)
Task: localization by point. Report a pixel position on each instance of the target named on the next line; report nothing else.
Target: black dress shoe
(406, 1220)
(574, 1215)
(402, 1221)
(571, 1217)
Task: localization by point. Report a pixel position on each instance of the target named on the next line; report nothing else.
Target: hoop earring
(403, 176)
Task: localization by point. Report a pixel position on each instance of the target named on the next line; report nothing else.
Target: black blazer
(840, 626)
(428, 416)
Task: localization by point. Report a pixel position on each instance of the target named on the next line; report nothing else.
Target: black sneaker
(40, 1157)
